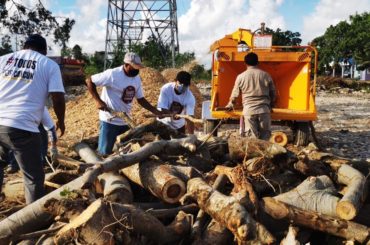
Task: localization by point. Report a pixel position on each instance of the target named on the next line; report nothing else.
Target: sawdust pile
(81, 118)
(152, 81)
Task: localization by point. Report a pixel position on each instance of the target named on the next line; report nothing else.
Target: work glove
(229, 106)
(54, 153)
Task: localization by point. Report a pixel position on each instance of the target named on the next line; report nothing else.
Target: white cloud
(330, 12)
(209, 20)
(90, 27)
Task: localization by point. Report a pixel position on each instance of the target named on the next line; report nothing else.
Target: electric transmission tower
(129, 22)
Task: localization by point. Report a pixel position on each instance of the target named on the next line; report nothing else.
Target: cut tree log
(337, 227)
(241, 148)
(153, 126)
(186, 117)
(313, 194)
(86, 153)
(98, 222)
(116, 188)
(215, 234)
(71, 163)
(228, 212)
(34, 217)
(243, 190)
(172, 212)
(350, 203)
(158, 178)
(202, 217)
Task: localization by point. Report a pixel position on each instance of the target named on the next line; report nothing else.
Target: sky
(201, 22)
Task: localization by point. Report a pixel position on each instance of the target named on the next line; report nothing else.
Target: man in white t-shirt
(120, 86)
(27, 77)
(176, 98)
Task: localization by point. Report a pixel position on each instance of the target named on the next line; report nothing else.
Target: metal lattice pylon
(129, 21)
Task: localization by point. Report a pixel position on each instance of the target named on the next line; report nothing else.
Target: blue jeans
(107, 136)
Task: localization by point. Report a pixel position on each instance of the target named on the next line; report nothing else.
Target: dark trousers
(26, 148)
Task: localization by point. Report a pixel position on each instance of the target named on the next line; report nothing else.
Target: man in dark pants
(27, 77)
(258, 96)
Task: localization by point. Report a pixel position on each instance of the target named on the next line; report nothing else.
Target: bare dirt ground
(343, 127)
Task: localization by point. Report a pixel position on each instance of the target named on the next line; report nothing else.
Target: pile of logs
(161, 187)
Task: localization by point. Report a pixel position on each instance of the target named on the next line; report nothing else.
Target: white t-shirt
(118, 92)
(177, 103)
(26, 78)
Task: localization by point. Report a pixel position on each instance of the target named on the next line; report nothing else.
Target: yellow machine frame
(289, 67)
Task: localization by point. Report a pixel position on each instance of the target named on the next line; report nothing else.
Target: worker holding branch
(120, 86)
(258, 97)
(27, 77)
(177, 99)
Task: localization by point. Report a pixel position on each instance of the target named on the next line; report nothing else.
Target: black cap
(36, 41)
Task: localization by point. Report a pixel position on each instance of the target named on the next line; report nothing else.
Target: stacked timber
(161, 187)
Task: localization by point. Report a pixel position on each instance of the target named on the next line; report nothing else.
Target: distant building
(349, 70)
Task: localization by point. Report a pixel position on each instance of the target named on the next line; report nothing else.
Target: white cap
(133, 59)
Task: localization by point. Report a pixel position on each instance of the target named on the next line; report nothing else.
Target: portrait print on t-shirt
(176, 108)
(128, 94)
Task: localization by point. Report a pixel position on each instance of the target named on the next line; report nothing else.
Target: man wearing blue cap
(27, 77)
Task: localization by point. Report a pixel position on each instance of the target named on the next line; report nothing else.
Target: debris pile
(164, 187)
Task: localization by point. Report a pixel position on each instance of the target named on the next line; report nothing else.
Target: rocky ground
(343, 127)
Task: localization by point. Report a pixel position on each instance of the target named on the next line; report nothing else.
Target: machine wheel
(301, 133)
(209, 126)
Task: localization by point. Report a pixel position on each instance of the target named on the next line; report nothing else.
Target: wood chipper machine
(291, 68)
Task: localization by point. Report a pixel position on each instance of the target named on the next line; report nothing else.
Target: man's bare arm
(59, 106)
(189, 127)
(101, 105)
(145, 104)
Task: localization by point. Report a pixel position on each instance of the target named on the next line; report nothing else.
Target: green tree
(346, 40)
(17, 18)
(184, 58)
(284, 38)
(95, 63)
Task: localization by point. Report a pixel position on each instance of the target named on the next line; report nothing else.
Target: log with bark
(34, 217)
(202, 217)
(98, 222)
(241, 148)
(116, 187)
(350, 203)
(158, 178)
(334, 226)
(153, 126)
(71, 163)
(319, 194)
(242, 190)
(315, 194)
(228, 212)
